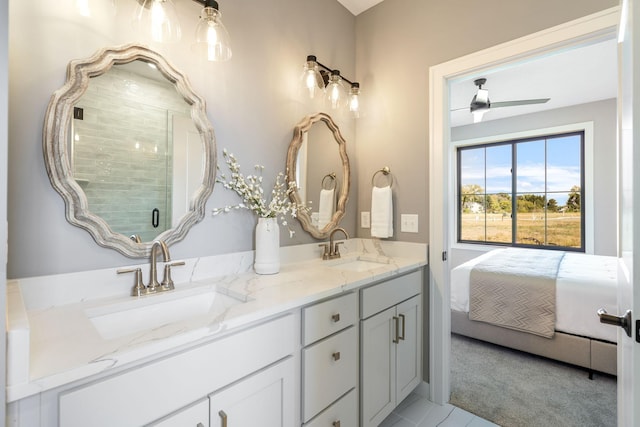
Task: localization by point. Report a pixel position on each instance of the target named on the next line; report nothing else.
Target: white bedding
(584, 284)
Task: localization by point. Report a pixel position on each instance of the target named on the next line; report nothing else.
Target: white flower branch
(249, 189)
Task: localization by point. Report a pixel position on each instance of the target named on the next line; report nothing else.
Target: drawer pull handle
(223, 419)
(336, 356)
(401, 337)
(396, 338)
(335, 317)
(200, 425)
(336, 423)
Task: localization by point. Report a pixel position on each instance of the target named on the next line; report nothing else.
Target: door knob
(623, 321)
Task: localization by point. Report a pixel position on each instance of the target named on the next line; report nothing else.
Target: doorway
(586, 30)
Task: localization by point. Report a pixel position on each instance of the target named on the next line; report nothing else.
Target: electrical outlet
(409, 223)
(365, 219)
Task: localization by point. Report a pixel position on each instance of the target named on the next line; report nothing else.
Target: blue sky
(562, 169)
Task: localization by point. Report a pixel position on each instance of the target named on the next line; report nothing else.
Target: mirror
(317, 161)
(128, 146)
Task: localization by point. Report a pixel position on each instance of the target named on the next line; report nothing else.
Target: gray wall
(252, 102)
(397, 42)
(604, 118)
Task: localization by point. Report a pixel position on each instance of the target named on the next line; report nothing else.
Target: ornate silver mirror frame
(58, 161)
(303, 216)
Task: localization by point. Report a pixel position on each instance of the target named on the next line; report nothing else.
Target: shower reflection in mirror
(130, 127)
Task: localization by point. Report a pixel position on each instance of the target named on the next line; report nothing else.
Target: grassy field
(562, 229)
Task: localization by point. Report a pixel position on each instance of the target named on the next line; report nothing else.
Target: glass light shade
(311, 81)
(354, 100)
(158, 19)
(212, 38)
(95, 8)
(336, 93)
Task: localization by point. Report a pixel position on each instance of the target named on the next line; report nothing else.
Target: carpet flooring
(515, 389)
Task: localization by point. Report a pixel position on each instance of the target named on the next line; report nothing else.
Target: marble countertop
(65, 339)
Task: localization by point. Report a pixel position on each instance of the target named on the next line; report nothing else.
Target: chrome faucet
(167, 284)
(153, 276)
(332, 250)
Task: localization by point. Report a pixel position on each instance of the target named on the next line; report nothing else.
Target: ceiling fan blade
(520, 102)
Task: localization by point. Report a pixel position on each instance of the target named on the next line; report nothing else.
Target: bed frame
(594, 355)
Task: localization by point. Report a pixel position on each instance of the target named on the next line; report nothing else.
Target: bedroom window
(525, 192)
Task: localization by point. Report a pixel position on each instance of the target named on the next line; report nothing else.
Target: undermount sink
(153, 311)
(358, 264)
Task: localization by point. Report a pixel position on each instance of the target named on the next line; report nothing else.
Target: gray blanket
(516, 289)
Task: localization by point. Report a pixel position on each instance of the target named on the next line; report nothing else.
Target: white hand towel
(325, 207)
(381, 212)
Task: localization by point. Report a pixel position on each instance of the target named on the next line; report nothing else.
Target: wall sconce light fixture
(212, 37)
(159, 19)
(317, 79)
(93, 8)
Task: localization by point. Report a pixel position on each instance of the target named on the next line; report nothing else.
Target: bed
(584, 283)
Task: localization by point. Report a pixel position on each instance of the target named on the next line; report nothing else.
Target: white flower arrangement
(250, 190)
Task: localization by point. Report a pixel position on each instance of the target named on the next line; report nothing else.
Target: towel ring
(386, 172)
(332, 177)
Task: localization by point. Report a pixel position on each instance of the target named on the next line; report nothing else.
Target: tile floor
(417, 411)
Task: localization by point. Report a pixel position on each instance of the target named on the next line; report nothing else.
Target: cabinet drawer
(343, 413)
(329, 370)
(386, 294)
(328, 317)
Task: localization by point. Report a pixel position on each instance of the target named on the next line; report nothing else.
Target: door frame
(589, 29)
(4, 179)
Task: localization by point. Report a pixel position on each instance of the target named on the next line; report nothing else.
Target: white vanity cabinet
(242, 368)
(330, 363)
(391, 345)
(264, 399)
(196, 415)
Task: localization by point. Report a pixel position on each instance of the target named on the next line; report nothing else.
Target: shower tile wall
(123, 149)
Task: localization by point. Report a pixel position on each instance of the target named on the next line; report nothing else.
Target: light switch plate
(365, 219)
(409, 223)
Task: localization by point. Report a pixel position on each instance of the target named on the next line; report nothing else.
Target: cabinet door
(194, 416)
(378, 366)
(263, 399)
(409, 347)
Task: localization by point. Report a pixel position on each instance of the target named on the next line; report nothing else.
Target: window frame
(587, 184)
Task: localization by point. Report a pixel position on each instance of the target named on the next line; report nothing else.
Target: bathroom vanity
(226, 347)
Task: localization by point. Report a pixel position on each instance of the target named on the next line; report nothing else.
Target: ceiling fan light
(480, 101)
(482, 97)
(478, 114)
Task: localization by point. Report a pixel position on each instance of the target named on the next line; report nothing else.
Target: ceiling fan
(480, 103)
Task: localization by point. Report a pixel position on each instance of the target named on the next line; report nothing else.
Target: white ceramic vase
(267, 258)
